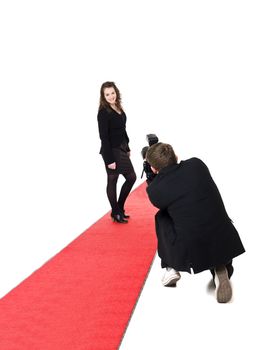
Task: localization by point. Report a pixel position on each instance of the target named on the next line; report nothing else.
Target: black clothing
(192, 225)
(229, 268)
(112, 131)
(117, 206)
(123, 162)
(114, 148)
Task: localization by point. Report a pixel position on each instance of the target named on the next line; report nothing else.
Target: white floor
(188, 316)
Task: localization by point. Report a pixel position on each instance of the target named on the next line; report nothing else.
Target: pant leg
(229, 267)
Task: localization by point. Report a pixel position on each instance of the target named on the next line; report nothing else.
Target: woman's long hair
(103, 102)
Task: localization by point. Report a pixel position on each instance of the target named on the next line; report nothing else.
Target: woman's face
(110, 95)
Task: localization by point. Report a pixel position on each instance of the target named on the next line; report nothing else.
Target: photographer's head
(160, 155)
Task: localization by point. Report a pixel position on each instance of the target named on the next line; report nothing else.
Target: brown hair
(103, 102)
(160, 155)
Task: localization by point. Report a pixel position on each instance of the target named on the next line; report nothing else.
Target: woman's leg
(112, 193)
(126, 189)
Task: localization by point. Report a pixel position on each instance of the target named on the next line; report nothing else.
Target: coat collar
(169, 168)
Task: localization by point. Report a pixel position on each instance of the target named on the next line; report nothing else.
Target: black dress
(114, 141)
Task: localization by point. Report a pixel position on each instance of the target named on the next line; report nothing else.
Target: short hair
(160, 155)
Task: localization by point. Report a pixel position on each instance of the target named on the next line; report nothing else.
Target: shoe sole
(171, 282)
(120, 222)
(224, 290)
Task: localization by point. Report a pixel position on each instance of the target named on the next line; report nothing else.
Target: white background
(189, 71)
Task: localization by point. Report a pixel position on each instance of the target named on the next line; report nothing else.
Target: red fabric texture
(83, 297)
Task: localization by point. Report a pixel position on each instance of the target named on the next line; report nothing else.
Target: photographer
(192, 225)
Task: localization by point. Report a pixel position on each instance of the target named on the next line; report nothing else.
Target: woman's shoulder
(103, 113)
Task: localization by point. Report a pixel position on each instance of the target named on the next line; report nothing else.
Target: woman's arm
(103, 123)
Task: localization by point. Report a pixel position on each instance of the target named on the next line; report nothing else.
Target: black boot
(119, 218)
(126, 216)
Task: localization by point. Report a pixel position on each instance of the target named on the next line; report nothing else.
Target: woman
(115, 149)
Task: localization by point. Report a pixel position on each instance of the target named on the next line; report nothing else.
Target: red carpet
(83, 298)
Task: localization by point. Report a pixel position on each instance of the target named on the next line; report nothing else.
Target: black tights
(117, 206)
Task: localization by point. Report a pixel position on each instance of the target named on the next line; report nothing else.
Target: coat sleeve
(127, 140)
(164, 228)
(154, 194)
(106, 149)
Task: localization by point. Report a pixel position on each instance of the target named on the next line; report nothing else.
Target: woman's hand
(129, 153)
(112, 166)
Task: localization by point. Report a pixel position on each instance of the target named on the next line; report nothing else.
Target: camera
(151, 139)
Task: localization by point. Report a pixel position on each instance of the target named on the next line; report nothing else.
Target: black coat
(192, 226)
(112, 131)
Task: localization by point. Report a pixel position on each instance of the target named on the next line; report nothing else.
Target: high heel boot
(126, 216)
(119, 218)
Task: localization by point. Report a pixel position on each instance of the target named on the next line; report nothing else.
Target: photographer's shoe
(170, 277)
(119, 218)
(223, 285)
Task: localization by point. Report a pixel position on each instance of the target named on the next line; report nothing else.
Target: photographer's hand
(112, 166)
